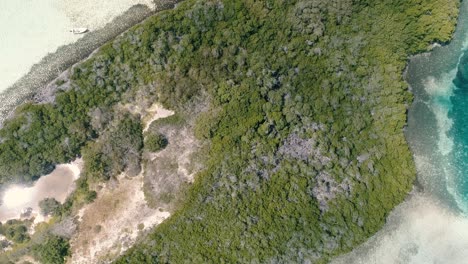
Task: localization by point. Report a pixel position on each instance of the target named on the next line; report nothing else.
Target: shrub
(155, 142)
(53, 250)
(49, 206)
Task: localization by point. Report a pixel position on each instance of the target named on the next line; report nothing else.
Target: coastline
(410, 229)
(44, 73)
(46, 97)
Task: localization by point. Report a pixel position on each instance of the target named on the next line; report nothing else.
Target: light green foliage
(15, 230)
(82, 195)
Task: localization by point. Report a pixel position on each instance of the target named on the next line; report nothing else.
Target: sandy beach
(47, 23)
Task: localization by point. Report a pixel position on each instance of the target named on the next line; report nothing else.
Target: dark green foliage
(42, 135)
(118, 149)
(49, 206)
(53, 250)
(307, 109)
(15, 230)
(155, 142)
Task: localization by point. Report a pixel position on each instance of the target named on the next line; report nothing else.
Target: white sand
(93, 14)
(31, 29)
(418, 231)
(110, 224)
(154, 113)
(58, 184)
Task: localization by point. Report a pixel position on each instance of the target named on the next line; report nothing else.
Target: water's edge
(54, 64)
(428, 227)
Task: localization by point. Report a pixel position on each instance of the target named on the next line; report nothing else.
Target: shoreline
(401, 229)
(52, 66)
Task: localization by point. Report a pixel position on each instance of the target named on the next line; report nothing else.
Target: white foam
(422, 230)
(440, 91)
(465, 44)
(454, 177)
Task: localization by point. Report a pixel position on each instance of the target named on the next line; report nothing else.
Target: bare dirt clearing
(112, 223)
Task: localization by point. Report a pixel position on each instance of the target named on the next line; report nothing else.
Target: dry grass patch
(112, 223)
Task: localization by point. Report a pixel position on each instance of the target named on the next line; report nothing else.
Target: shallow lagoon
(30, 29)
(58, 185)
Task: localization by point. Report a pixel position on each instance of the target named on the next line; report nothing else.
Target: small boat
(78, 30)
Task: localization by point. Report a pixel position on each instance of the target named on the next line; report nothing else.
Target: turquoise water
(438, 120)
(431, 226)
(458, 157)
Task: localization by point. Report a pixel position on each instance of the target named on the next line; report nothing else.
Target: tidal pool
(59, 184)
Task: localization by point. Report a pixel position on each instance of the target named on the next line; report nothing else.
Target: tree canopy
(307, 107)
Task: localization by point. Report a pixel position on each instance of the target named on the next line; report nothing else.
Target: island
(265, 131)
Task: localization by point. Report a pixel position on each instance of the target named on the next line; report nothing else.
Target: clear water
(431, 226)
(457, 160)
(29, 29)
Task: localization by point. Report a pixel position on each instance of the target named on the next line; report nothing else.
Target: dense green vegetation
(16, 230)
(49, 206)
(117, 150)
(155, 142)
(54, 250)
(42, 135)
(48, 244)
(307, 110)
(305, 122)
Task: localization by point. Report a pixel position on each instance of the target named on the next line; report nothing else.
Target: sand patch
(94, 14)
(148, 114)
(154, 113)
(58, 184)
(113, 222)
